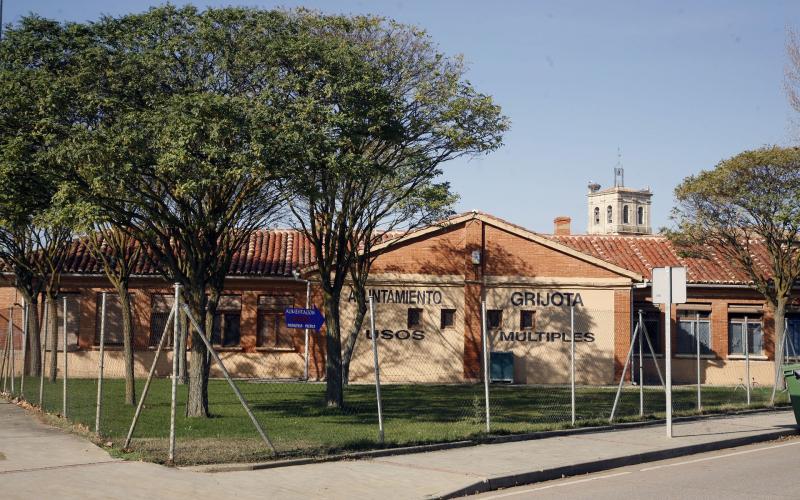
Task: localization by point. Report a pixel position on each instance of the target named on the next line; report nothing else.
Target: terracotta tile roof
(642, 253)
(277, 252)
(269, 252)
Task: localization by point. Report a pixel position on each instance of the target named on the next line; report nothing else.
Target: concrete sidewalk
(40, 461)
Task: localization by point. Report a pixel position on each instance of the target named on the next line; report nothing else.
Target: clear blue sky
(677, 86)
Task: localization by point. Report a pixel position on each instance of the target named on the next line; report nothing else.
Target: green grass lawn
(299, 424)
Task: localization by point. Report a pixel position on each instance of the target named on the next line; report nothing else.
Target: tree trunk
(52, 326)
(183, 377)
(33, 358)
(334, 393)
(127, 342)
(352, 339)
(197, 402)
(780, 334)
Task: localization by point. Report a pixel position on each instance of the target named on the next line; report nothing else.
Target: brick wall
(622, 330)
(508, 254)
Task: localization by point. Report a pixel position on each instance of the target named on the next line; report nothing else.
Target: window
(113, 323)
(597, 215)
(225, 330)
(792, 336)
(691, 325)
(640, 215)
(161, 305)
(526, 320)
(272, 331)
(73, 323)
(448, 318)
(414, 318)
(740, 325)
(608, 214)
(625, 217)
(652, 330)
(494, 318)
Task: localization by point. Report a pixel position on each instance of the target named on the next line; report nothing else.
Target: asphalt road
(767, 470)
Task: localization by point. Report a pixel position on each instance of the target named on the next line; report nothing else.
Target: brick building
(428, 288)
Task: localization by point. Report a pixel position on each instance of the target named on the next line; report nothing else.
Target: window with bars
(226, 328)
(73, 322)
(161, 305)
(691, 325)
(414, 318)
(494, 319)
(113, 320)
(526, 320)
(745, 334)
(793, 336)
(271, 327)
(652, 329)
(448, 319)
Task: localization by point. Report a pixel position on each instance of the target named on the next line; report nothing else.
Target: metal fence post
(628, 361)
(6, 358)
(174, 393)
(25, 313)
(746, 335)
(100, 364)
(697, 341)
(44, 326)
(572, 361)
(485, 364)
(64, 343)
(641, 369)
(150, 374)
(377, 367)
(305, 334)
(668, 352)
(227, 376)
(3, 362)
(11, 332)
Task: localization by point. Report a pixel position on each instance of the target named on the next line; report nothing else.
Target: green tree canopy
(175, 151)
(748, 200)
(38, 90)
(372, 114)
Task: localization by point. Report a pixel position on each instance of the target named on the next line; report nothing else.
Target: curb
(524, 478)
(496, 439)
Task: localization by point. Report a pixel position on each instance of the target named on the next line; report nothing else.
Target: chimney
(561, 226)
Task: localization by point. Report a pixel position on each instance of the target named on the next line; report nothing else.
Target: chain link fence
(412, 378)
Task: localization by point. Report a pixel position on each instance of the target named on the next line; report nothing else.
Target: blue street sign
(303, 318)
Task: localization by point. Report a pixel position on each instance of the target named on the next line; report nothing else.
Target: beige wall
(434, 355)
(542, 354)
(716, 371)
(428, 353)
(268, 365)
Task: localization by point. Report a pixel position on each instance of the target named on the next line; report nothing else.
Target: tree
(175, 151)
(746, 201)
(118, 254)
(378, 110)
(398, 206)
(36, 104)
